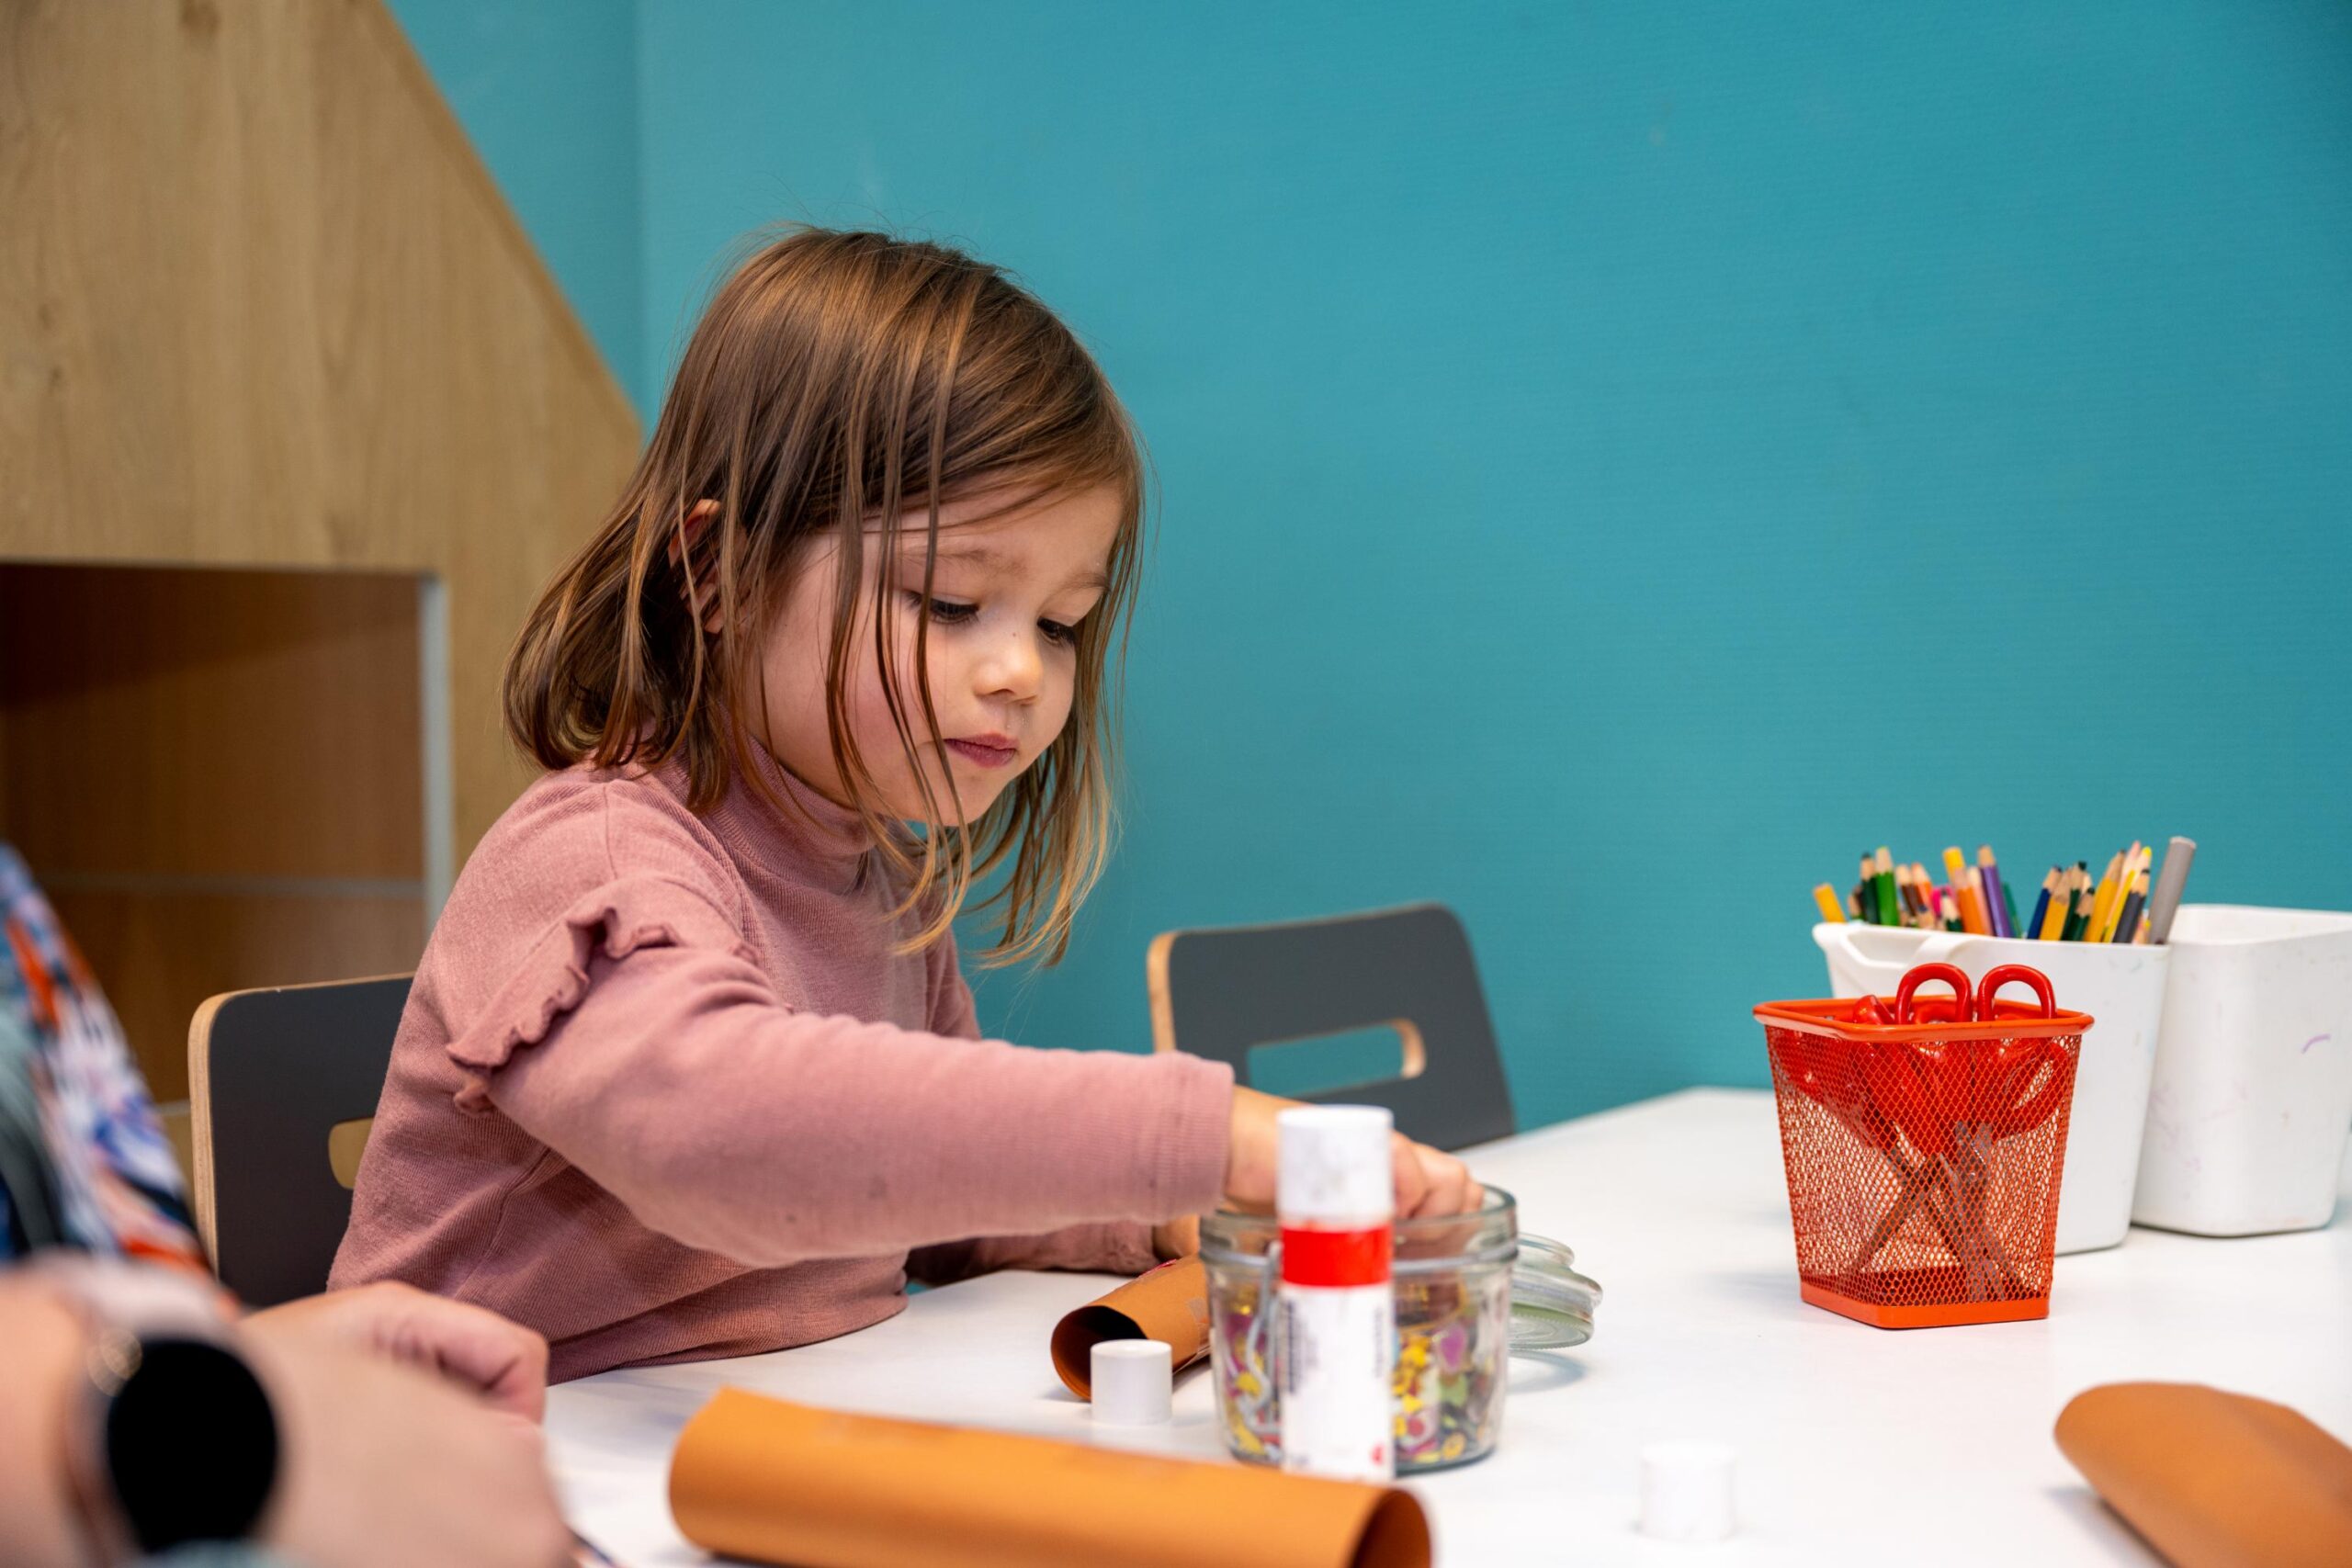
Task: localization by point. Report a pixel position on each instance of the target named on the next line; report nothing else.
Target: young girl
(688, 1068)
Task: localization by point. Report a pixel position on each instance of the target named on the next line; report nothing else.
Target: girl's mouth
(986, 750)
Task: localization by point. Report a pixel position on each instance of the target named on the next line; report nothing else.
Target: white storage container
(2252, 1092)
(2121, 987)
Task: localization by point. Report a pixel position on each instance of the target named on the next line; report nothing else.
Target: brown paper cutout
(2211, 1479)
(758, 1478)
(1170, 1304)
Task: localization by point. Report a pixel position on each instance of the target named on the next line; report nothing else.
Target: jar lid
(1487, 1234)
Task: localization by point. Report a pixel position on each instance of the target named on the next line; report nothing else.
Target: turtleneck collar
(812, 828)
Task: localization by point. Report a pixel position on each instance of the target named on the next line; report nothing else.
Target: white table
(1855, 1444)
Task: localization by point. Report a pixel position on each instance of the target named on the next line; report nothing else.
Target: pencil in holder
(1924, 1138)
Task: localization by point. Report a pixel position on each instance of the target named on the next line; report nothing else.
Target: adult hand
(1429, 1182)
(503, 1362)
(383, 1466)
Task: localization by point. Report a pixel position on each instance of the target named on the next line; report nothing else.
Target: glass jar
(1470, 1290)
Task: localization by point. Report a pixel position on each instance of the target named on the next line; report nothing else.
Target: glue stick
(1335, 1198)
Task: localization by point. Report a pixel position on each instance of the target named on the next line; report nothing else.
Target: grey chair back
(1220, 992)
(281, 1085)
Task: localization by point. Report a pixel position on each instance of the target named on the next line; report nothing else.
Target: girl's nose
(1013, 669)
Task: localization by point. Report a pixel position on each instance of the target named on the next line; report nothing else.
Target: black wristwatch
(175, 1440)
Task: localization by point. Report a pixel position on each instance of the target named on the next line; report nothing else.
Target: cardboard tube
(1170, 1304)
(2211, 1479)
(757, 1478)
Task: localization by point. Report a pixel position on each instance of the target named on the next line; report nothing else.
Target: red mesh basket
(1924, 1138)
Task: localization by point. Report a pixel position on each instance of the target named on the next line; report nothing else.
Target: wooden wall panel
(211, 724)
(159, 953)
(260, 305)
(216, 777)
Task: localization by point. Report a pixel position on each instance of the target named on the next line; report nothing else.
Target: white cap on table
(1335, 1166)
(1132, 1382)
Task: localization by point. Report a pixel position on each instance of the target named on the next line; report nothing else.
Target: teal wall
(1617, 461)
(547, 91)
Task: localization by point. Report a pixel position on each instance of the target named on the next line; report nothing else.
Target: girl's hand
(1177, 1238)
(1429, 1182)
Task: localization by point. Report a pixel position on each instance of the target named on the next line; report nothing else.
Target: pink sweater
(663, 1093)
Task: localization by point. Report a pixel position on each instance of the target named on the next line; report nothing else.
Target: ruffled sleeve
(552, 976)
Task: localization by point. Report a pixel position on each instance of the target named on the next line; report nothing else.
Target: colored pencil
(2127, 918)
(1826, 896)
(2080, 922)
(1972, 909)
(2101, 899)
(2041, 906)
(2135, 866)
(2003, 911)
(1888, 914)
(2062, 897)
(2123, 884)
(2081, 884)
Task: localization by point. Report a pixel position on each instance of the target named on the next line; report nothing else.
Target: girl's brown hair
(836, 382)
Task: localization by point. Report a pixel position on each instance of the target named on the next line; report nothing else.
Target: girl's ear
(700, 582)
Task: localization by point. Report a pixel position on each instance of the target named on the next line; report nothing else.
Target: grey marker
(2165, 901)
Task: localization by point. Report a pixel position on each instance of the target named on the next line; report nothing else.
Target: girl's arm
(681, 1083)
(1119, 1247)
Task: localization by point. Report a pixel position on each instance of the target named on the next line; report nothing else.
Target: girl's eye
(946, 612)
(1056, 632)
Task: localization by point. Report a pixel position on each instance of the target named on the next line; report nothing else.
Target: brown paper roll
(2214, 1480)
(1170, 1305)
(775, 1482)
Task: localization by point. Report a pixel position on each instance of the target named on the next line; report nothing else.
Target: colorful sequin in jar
(1455, 1279)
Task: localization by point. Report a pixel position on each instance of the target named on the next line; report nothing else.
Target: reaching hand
(1429, 1182)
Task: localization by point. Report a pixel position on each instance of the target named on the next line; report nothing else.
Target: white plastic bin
(2253, 1093)
(2121, 987)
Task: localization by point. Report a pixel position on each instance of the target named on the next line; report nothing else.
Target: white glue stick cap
(1685, 1491)
(1132, 1379)
(1335, 1166)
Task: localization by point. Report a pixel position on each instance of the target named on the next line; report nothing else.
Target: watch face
(191, 1445)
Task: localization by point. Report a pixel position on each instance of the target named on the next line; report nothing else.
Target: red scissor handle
(1949, 974)
(2011, 973)
(2019, 1073)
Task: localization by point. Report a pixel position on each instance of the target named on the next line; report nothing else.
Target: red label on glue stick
(1337, 1258)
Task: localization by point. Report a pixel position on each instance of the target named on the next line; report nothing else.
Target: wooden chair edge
(1164, 1005)
(199, 1098)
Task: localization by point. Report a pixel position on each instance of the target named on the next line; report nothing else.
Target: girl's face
(1007, 595)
